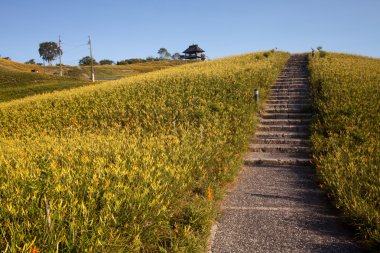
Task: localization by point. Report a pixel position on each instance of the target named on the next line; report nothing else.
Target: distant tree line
(50, 50)
(6, 58)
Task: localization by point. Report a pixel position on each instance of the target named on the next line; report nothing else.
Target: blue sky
(123, 29)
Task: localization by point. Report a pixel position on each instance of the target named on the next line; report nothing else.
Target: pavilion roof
(193, 49)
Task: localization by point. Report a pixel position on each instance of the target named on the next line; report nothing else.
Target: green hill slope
(346, 136)
(19, 84)
(17, 80)
(132, 165)
(115, 71)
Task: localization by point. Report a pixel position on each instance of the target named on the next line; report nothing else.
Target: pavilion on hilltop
(194, 52)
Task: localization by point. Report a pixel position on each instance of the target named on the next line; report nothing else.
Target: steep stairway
(283, 132)
(276, 205)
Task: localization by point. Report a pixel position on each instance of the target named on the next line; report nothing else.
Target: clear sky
(123, 29)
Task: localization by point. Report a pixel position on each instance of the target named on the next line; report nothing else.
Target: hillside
(17, 80)
(16, 66)
(15, 84)
(346, 137)
(115, 71)
(133, 165)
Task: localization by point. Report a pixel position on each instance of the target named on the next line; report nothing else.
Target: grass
(346, 137)
(17, 81)
(114, 71)
(133, 165)
(16, 84)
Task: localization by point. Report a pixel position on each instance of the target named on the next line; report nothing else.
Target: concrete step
(287, 102)
(287, 110)
(288, 85)
(288, 106)
(270, 122)
(293, 76)
(290, 88)
(283, 128)
(296, 66)
(288, 81)
(286, 115)
(294, 71)
(280, 141)
(281, 159)
(290, 91)
(280, 148)
(291, 84)
(302, 86)
(292, 80)
(288, 97)
(289, 78)
(297, 85)
(281, 135)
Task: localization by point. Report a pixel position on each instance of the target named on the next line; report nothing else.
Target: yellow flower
(54, 164)
(85, 158)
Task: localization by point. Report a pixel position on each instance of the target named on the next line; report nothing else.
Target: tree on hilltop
(86, 61)
(106, 62)
(176, 56)
(49, 51)
(31, 61)
(163, 52)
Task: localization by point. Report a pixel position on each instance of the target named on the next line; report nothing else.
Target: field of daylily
(346, 137)
(133, 165)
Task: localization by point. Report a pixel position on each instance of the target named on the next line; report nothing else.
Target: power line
(75, 45)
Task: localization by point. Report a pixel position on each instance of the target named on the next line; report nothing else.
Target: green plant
(346, 136)
(133, 165)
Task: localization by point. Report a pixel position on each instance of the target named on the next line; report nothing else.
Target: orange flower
(176, 228)
(85, 158)
(35, 249)
(54, 164)
(209, 193)
(74, 122)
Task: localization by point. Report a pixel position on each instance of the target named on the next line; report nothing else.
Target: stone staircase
(275, 204)
(282, 135)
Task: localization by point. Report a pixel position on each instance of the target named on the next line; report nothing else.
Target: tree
(31, 61)
(49, 51)
(131, 61)
(176, 56)
(150, 58)
(163, 52)
(322, 53)
(106, 62)
(86, 61)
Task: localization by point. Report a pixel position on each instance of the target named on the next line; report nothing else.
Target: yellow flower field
(133, 165)
(346, 136)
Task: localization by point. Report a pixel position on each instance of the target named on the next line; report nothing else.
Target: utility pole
(60, 56)
(92, 61)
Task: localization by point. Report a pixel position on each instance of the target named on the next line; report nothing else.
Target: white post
(92, 61)
(60, 57)
(257, 96)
